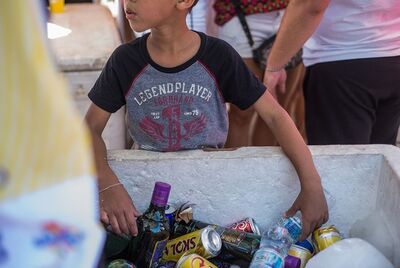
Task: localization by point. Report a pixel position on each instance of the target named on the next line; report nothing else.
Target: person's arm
(299, 22)
(116, 207)
(311, 200)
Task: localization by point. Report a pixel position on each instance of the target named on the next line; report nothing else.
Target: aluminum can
(170, 215)
(205, 242)
(194, 261)
(302, 250)
(240, 244)
(121, 263)
(323, 237)
(247, 225)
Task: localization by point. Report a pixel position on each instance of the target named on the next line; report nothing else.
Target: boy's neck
(170, 48)
(169, 40)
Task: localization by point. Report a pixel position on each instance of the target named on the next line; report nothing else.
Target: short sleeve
(237, 83)
(107, 92)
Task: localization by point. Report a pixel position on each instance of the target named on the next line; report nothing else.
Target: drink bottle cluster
(275, 243)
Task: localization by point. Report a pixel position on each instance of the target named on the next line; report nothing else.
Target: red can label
(246, 225)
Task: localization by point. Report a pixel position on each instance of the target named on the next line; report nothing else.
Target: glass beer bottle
(153, 228)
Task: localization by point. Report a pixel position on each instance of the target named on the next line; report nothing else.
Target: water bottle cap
(160, 193)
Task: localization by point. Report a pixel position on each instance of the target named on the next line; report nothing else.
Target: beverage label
(325, 236)
(170, 215)
(175, 248)
(194, 261)
(303, 253)
(157, 253)
(267, 257)
(233, 238)
(246, 225)
(293, 225)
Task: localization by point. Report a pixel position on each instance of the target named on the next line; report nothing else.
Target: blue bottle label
(267, 257)
(157, 253)
(293, 225)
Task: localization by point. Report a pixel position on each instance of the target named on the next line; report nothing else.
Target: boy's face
(146, 14)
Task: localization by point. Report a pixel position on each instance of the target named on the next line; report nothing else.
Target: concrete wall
(361, 183)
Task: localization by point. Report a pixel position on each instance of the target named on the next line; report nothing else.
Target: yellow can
(205, 242)
(303, 250)
(194, 261)
(323, 237)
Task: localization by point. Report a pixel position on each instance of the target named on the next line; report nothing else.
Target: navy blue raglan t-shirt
(183, 107)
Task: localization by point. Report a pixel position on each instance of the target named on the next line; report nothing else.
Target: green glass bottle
(153, 232)
(153, 229)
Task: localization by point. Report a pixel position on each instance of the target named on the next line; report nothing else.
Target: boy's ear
(184, 4)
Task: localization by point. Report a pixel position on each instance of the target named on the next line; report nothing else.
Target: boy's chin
(137, 28)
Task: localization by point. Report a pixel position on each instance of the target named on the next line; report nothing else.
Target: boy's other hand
(314, 210)
(117, 210)
(275, 81)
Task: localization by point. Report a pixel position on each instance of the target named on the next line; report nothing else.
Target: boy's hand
(117, 210)
(314, 210)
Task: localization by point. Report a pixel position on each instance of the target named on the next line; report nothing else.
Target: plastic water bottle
(275, 243)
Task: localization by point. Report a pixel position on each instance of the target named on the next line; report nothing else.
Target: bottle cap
(160, 193)
(292, 262)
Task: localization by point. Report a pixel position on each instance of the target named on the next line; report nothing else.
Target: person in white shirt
(352, 54)
(201, 18)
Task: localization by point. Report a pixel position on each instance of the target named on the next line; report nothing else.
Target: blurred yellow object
(57, 6)
(42, 138)
(48, 193)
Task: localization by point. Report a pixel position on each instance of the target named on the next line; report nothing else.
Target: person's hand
(274, 81)
(117, 210)
(314, 210)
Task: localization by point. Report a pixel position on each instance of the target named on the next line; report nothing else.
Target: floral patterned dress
(225, 10)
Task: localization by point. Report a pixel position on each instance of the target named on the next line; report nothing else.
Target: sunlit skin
(170, 42)
(149, 14)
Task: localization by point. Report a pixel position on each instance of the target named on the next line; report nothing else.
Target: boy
(174, 83)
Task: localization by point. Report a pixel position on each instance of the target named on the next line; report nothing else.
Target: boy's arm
(311, 200)
(116, 207)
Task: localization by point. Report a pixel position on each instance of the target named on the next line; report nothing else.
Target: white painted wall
(260, 182)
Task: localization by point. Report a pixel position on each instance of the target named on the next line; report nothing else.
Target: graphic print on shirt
(176, 111)
(173, 116)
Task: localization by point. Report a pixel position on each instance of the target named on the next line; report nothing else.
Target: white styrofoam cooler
(360, 181)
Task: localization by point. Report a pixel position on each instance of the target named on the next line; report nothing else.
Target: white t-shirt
(353, 29)
(201, 18)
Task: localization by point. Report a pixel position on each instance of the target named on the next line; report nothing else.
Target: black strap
(242, 19)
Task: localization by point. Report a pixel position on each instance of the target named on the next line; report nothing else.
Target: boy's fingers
(131, 221)
(114, 225)
(305, 230)
(104, 218)
(292, 210)
(123, 225)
